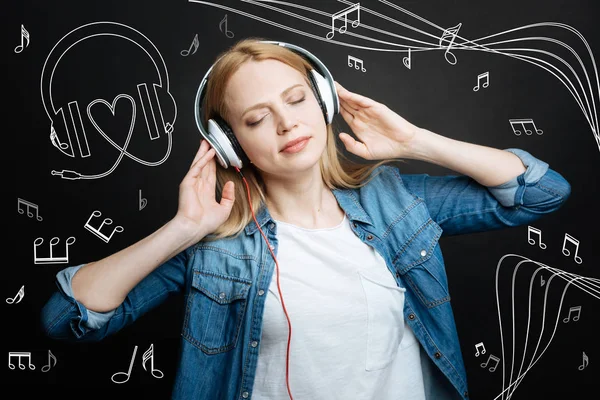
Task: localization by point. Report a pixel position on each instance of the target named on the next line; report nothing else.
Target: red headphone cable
(287, 362)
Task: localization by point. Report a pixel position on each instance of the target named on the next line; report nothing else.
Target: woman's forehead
(258, 81)
(264, 72)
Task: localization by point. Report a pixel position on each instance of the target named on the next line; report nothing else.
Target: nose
(287, 120)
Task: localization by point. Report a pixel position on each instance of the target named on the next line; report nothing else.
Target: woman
(359, 306)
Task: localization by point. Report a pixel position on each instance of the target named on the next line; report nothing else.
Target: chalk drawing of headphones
(67, 125)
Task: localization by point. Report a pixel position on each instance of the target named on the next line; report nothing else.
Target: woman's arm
(128, 283)
(495, 188)
(487, 165)
(102, 285)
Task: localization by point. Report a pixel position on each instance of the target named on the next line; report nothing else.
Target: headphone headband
(87, 31)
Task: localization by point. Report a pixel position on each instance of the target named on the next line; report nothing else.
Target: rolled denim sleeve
(89, 318)
(461, 205)
(511, 192)
(64, 318)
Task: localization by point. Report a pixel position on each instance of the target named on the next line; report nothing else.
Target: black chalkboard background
(433, 93)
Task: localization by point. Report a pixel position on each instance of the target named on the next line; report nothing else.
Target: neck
(304, 200)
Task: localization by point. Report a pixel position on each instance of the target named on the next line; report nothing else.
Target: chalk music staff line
(549, 320)
(581, 85)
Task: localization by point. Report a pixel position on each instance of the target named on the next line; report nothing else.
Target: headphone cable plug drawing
(67, 174)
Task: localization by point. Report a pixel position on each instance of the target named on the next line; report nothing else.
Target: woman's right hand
(197, 205)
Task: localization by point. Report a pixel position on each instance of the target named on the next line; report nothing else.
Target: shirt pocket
(385, 319)
(421, 265)
(215, 311)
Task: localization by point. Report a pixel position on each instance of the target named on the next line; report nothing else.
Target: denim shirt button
(271, 226)
(354, 224)
(423, 253)
(369, 237)
(261, 292)
(222, 295)
(437, 354)
(245, 395)
(254, 343)
(411, 316)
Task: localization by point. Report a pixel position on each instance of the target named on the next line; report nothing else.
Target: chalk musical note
(46, 368)
(566, 251)
(575, 318)
(18, 296)
(356, 62)
(29, 206)
(542, 281)
(96, 231)
(493, 358)
(536, 231)
(20, 354)
(450, 32)
(142, 201)
(585, 363)
(128, 373)
(485, 76)
(149, 355)
(344, 13)
(52, 259)
(406, 60)
(194, 45)
(24, 35)
(227, 32)
(479, 346)
(522, 122)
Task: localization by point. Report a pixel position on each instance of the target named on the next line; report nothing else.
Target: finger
(198, 166)
(353, 145)
(200, 152)
(212, 174)
(350, 106)
(205, 173)
(228, 195)
(346, 112)
(354, 99)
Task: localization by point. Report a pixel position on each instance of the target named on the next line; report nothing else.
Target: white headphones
(220, 136)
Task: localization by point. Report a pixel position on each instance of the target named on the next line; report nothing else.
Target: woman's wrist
(425, 146)
(187, 230)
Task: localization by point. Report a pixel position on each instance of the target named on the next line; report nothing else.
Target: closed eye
(260, 120)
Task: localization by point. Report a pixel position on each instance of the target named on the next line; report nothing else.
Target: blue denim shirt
(224, 282)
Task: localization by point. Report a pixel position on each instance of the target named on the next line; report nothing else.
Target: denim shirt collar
(346, 199)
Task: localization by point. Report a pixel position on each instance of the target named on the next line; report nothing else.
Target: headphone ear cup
(225, 144)
(166, 107)
(237, 148)
(66, 129)
(58, 129)
(315, 89)
(325, 92)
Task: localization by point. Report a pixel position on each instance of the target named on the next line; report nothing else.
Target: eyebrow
(264, 104)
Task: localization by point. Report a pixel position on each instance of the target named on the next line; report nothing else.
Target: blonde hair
(337, 170)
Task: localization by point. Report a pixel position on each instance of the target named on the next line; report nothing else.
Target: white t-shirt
(349, 338)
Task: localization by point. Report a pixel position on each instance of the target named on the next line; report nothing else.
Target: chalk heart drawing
(95, 109)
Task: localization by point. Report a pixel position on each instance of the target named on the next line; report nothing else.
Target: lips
(295, 141)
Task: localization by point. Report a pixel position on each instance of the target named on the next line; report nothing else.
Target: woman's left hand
(383, 134)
